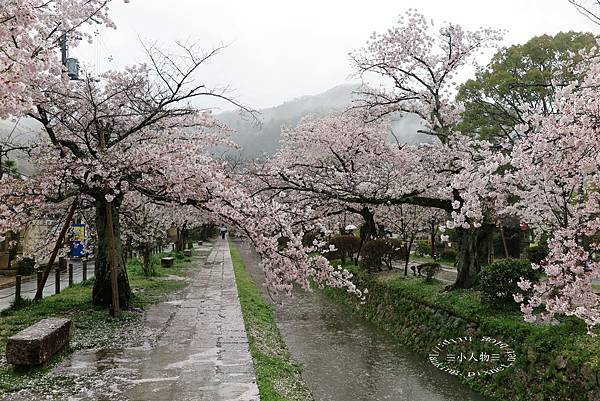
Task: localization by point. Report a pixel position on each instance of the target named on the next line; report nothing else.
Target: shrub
(537, 253)
(373, 254)
(381, 252)
(429, 270)
(498, 281)
(25, 266)
(347, 246)
(423, 247)
(448, 254)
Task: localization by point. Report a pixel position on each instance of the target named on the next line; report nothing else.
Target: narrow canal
(346, 358)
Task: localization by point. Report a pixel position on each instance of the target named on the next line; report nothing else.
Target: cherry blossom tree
(132, 131)
(419, 63)
(340, 163)
(146, 222)
(555, 179)
(29, 36)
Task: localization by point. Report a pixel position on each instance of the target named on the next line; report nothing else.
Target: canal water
(345, 358)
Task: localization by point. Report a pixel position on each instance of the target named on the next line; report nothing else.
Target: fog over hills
(262, 139)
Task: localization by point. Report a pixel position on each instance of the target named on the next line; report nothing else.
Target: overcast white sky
(279, 50)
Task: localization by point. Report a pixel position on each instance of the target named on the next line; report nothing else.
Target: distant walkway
(447, 273)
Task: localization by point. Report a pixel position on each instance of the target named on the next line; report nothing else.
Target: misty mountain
(262, 138)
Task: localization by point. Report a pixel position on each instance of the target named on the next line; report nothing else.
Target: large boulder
(38, 343)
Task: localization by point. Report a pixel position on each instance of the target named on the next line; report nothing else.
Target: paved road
(28, 288)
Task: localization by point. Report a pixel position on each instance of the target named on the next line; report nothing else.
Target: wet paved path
(201, 352)
(204, 352)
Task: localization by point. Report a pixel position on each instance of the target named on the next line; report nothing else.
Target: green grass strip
(278, 376)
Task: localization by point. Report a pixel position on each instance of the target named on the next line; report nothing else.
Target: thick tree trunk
(102, 293)
(182, 236)
(473, 252)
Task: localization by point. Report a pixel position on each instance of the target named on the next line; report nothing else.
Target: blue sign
(78, 240)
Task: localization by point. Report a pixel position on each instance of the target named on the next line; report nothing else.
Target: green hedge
(498, 281)
(423, 248)
(554, 362)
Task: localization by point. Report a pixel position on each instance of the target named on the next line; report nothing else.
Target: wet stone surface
(199, 351)
(37, 343)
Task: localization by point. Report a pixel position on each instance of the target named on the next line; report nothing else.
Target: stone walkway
(201, 353)
(204, 352)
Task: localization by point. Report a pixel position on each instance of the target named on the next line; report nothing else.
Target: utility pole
(64, 50)
(71, 64)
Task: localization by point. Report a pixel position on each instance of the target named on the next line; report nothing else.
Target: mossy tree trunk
(102, 292)
(182, 238)
(472, 254)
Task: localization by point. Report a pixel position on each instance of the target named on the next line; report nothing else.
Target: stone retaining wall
(537, 374)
